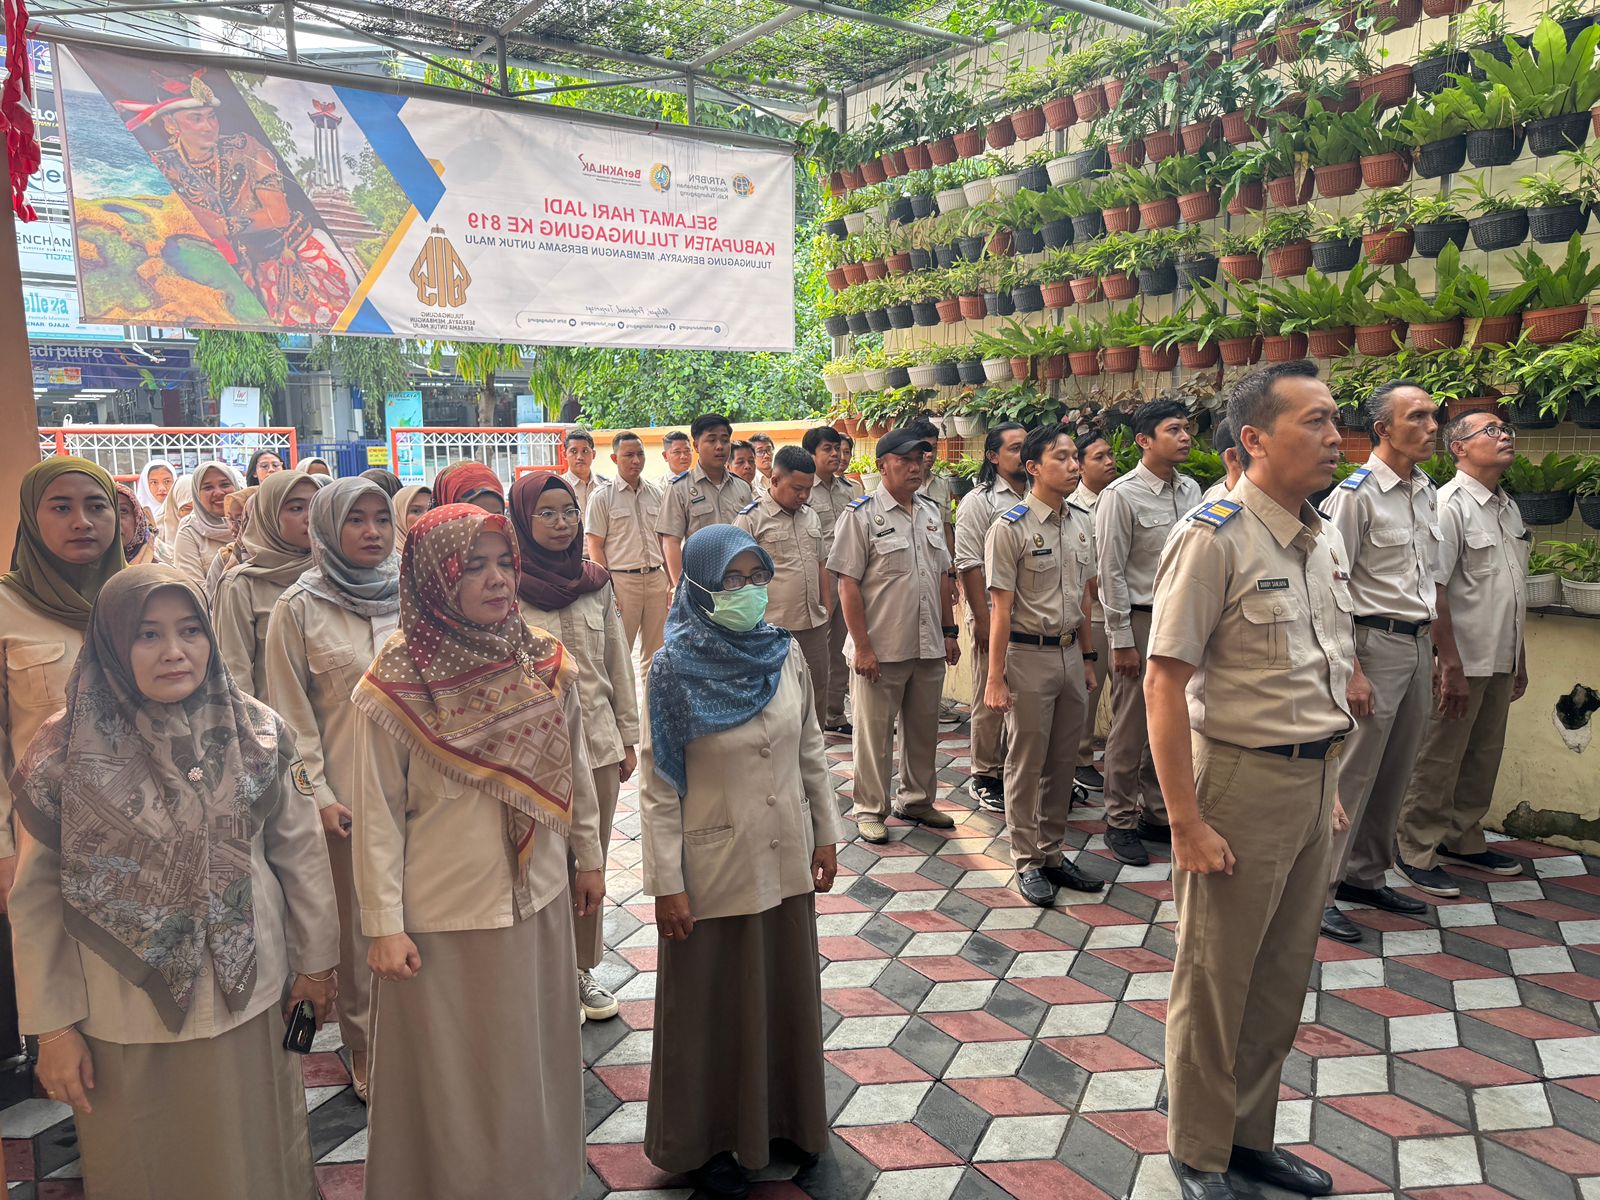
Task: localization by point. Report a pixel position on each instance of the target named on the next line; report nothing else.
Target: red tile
(927, 922)
(1503, 936)
(1134, 958)
(848, 949)
(1384, 922)
(828, 903)
(341, 1181)
(1345, 1177)
(19, 1159)
(638, 1014)
(1100, 915)
(1585, 987)
(1099, 1052)
(1387, 1002)
(1549, 910)
(1150, 1008)
(945, 968)
(1058, 989)
(994, 897)
(72, 1189)
(1559, 1148)
(1468, 1067)
(893, 849)
(624, 1168)
(975, 1027)
(860, 1002)
(904, 881)
(1321, 1042)
(1144, 1132)
(1471, 1191)
(1047, 1179)
(1394, 1116)
(1156, 889)
(1447, 966)
(877, 1066)
(643, 958)
(324, 1070)
(1529, 1024)
(1329, 950)
(1588, 1086)
(975, 862)
(630, 1083)
(777, 1189)
(1025, 940)
(1005, 1097)
(1525, 849)
(897, 1147)
(1578, 883)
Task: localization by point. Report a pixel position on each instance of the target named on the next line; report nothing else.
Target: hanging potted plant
(1544, 585)
(1559, 302)
(1119, 209)
(1553, 85)
(1578, 564)
(1588, 491)
(1153, 258)
(1158, 207)
(1437, 222)
(1437, 130)
(1336, 241)
(1388, 239)
(1120, 338)
(1488, 319)
(1234, 333)
(1436, 67)
(1500, 222)
(1054, 273)
(1157, 341)
(1434, 322)
(1284, 239)
(1334, 144)
(1080, 341)
(1544, 492)
(1197, 259)
(1242, 174)
(1557, 208)
(1326, 312)
(1494, 139)
(1386, 157)
(1239, 256)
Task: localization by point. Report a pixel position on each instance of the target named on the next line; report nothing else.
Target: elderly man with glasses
(1482, 569)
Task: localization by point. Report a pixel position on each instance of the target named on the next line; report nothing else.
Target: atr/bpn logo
(661, 177)
(441, 278)
(743, 186)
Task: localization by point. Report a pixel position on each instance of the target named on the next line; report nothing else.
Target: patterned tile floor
(979, 1047)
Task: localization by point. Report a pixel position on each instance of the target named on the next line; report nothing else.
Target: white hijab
(146, 497)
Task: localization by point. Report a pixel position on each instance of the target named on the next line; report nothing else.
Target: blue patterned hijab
(705, 678)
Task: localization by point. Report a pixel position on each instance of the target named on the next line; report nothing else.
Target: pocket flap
(1479, 539)
(708, 837)
(1388, 535)
(1153, 520)
(37, 655)
(1269, 610)
(328, 658)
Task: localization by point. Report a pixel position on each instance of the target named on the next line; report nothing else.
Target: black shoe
(722, 1176)
(1385, 898)
(1037, 889)
(1436, 881)
(1282, 1169)
(1338, 926)
(1150, 831)
(1201, 1185)
(1487, 860)
(988, 791)
(1066, 875)
(804, 1159)
(1091, 778)
(843, 727)
(1127, 846)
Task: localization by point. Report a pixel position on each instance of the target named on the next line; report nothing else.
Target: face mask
(740, 611)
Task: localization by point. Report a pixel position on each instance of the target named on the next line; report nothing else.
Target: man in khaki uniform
(1001, 484)
(1039, 559)
(1132, 518)
(1251, 649)
(708, 495)
(764, 449)
(891, 561)
(1098, 464)
(620, 535)
(580, 474)
(830, 496)
(1482, 576)
(678, 452)
(785, 526)
(742, 462)
(1385, 513)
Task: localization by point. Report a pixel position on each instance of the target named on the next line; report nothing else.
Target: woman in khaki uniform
(473, 776)
(173, 890)
(739, 825)
(236, 508)
(205, 531)
(559, 591)
(277, 542)
(323, 633)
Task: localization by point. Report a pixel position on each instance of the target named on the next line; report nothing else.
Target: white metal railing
(123, 450)
(417, 455)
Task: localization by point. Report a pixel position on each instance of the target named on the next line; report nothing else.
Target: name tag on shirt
(1272, 585)
(1039, 553)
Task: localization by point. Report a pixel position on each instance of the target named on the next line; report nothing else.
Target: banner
(403, 410)
(240, 199)
(239, 408)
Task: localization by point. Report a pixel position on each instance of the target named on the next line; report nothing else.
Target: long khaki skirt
(198, 1120)
(737, 1055)
(477, 1070)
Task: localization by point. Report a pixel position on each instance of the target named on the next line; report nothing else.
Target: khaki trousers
(813, 644)
(1102, 670)
(989, 728)
(839, 672)
(1245, 947)
(588, 931)
(642, 603)
(1455, 776)
(1128, 767)
(908, 691)
(355, 977)
(1379, 754)
(1043, 727)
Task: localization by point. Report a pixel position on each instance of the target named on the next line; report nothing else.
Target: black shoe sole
(1507, 872)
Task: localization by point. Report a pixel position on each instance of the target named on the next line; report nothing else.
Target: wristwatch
(1092, 656)
(952, 631)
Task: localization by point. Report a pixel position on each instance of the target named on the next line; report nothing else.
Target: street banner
(234, 199)
(403, 410)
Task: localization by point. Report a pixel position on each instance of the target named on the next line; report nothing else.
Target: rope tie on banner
(16, 110)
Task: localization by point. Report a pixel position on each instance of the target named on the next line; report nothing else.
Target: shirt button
(774, 843)
(771, 800)
(1277, 609)
(766, 752)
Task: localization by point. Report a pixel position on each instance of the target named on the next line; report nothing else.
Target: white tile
(623, 1127)
(661, 1194)
(1354, 1075)
(987, 1060)
(1166, 913)
(986, 879)
(1352, 973)
(1308, 1008)
(1077, 1020)
(1517, 889)
(881, 1104)
(1010, 1139)
(641, 987)
(1111, 937)
(1121, 1091)
(1429, 1031)
(858, 974)
(864, 1033)
(1067, 898)
(841, 924)
(643, 938)
(933, 1183)
(1516, 1106)
(1461, 916)
(1580, 933)
(1564, 1058)
(922, 901)
(898, 864)
(631, 1051)
(316, 1097)
(1154, 873)
(1042, 964)
(1439, 1162)
(1542, 960)
(1011, 918)
(353, 1149)
(1486, 993)
(923, 945)
(28, 1118)
(1294, 1122)
(960, 996)
(1565, 864)
(1148, 985)
(1411, 941)
(1589, 1189)
(1155, 1180)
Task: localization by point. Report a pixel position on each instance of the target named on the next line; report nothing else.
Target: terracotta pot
(1121, 220)
(1399, 14)
(1289, 40)
(876, 268)
(1471, 404)
(1288, 261)
(894, 164)
(1196, 134)
(1546, 326)
(1021, 368)
(1161, 145)
(1159, 71)
(872, 172)
(1245, 47)
(1445, 8)
(1196, 357)
(1241, 266)
(1198, 206)
(1087, 290)
(1060, 113)
(1084, 362)
(1380, 341)
(943, 152)
(1090, 104)
(1284, 348)
(949, 310)
(1392, 86)
(1121, 360)
(1251, 197)
(1594, 119)
(837, 279)
(1158, 214)
(1153, 359)
(1385, 170)
(899, 264)
(918, 157)
(1386, 247)
(1267, 51)
(1057, 294)
(1493, 331)
(1239, 352)
(1119, 285)
(1346, 102)
(836, 184)
(1053, 366)
(1028, 124)
(1330, 343)
(1000, 243)
(1129, 154)
(969, 144)
(1288, 192)
(1238, 128)
(852, 179)
(855, 273)
(1338, 179)
(1436, 335)
(1114, 89)
(972, 308)
(1000, 134)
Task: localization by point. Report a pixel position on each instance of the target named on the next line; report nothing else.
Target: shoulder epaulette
(858, 501)
(1356, 478)
(679, 478)
(1216, 514)
(749, 507)
(928, 498)
(1015, 513)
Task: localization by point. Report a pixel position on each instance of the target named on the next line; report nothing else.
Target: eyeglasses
(733, 581)
(1497, 432)
(552, 516)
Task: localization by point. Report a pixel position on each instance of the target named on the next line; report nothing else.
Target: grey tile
(1162, 941)
(1059, 1078)
(1358, 1144)
(952, 1119)
(1573, 1110)
(870, 892)
(1098, 1157)
(885, 934)
(1433, 1092)
(1064, 927)
(905, 987)
(598, 1102)
(964, 910)
(1129, 901)
(1298, 1070)
(1499, 1044)
(1473, 950)
(1019, 1009)
(1556, 1004)
(837, 1088)
(1141, 1031)
(840, 1174)
(927, 1046)
(857, 858)
(1100, 975)
(1421, 984)
(1516, 1174)
(988, 954)
(975, 1185)
(600, 1036)
(1360, 1023)
(942, 871)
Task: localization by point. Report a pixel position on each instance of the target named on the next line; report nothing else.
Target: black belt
(1390, 625)
(1043, 639)
(635, 570)
(1149, 608)
(1305, 749)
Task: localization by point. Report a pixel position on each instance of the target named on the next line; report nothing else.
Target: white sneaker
(597, 1003)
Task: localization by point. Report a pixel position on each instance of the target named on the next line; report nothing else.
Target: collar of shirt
(1002, 486)
(698, 475)
(884, 502)
(637, 485)
(1151, 480)
(773, 509)
(1083, 497)
(1388, 478)
(1042, 512)
(1280, 522)
(1475, 488)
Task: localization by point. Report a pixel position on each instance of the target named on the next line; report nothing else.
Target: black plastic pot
(921, 206)
(1544, 508)
(836, 326)
(1028, 298)
(1337, 254)
(1589, 510)
(1499, 230)
(1524, 412)
(1432, 74)
(1088, 227)
(878, 320)
(1585, 414)
(900, 318)
(925, 314)
(1433, 236)
(899, 377)
(1057, 234)
(1555, 135)
(1550, 226)
(921, 260)
(1159, 280)
(1494, 147)
(971, 248)
(858, 323)
(1573, 26)
(1034, 179)
(1441, 158)
(1495, 49)
(999, 304)
(900, 210)
(948, 374)
(1203, 266)
(944, 256)
(1027, 241)
(835, 228)
(970, 370)
(1093, 162)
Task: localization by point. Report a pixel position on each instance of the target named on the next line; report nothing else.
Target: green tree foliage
(374, 366)
(236, 358)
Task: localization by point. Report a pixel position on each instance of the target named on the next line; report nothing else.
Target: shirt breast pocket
(892, 555)
(594, 630)
(29, 671)
(332, 671)
(1265, 632)
(1386, 549)
(1152, 525)
(1480, 556)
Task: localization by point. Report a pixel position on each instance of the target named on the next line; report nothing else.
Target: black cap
(903, 441)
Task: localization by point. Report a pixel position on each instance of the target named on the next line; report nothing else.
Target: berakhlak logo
(441, 278)
(743, 186)
(661, 177)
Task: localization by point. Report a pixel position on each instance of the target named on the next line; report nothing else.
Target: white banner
(239, 408)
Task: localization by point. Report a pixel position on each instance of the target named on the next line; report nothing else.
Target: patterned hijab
(152, 808)
(143, 534)
(269, 556)
(366, 591)
(550, 581)
(482, 703)
(212, 528)
(705, 678)
(61, 590)
(461, 481)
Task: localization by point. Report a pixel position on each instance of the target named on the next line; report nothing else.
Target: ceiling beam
(862, 17)
(516, 20)
(754, 33)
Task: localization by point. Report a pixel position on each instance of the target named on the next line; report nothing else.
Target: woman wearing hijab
(739, 823)
(387, 480)
(324, 632)
(133, 523)
(558, 590)
(264, 464)
(236, 507)
(469, 482)
(205, 530)
(409, 504)
(154, 486)
(277, 544)
(173, 890)
(473, 777)
(68, 545)
(180, 503)
(314, 464)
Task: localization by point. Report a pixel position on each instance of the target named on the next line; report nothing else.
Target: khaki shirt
(794, 541)
(431, 853)
(1086, 499)
(975, 516)
(1134, 514)
(591, 629)
(316, 653)
(692, 502)
(1483, 566)
(37, 654)
(193, 549)
(828, 501)
(1391, 528)
(899, 558)
(1217, 491)
(937, 489)
(241, 612)
(584, 491)
(1044, 558)
(1259, 603)
(625, 517)
(62, 982)
(760, 801)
